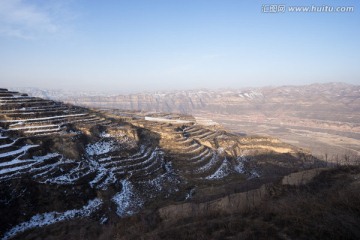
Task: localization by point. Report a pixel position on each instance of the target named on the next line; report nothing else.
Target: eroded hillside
(59, 162)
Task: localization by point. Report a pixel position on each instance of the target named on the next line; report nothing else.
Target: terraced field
(60, 162)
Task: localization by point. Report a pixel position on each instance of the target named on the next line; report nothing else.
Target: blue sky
(133, 46)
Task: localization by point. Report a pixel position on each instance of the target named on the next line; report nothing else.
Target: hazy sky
(147, 45)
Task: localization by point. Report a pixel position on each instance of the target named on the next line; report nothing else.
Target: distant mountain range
(327, 102)
(317, 110)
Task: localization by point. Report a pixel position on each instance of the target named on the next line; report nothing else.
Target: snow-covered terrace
(166, 120)
(43, 118)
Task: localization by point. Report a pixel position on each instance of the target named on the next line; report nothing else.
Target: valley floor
(329, 145)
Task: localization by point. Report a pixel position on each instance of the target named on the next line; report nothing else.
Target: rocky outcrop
(301, 178)
(234, 203)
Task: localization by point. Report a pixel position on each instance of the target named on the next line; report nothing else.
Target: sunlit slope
(60, 162)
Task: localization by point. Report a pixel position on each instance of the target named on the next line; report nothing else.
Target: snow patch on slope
(100, 147)
(21, 150)
(221, 172)
(239, 167)
(17, 171)
(127, 201)
(45, 219)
